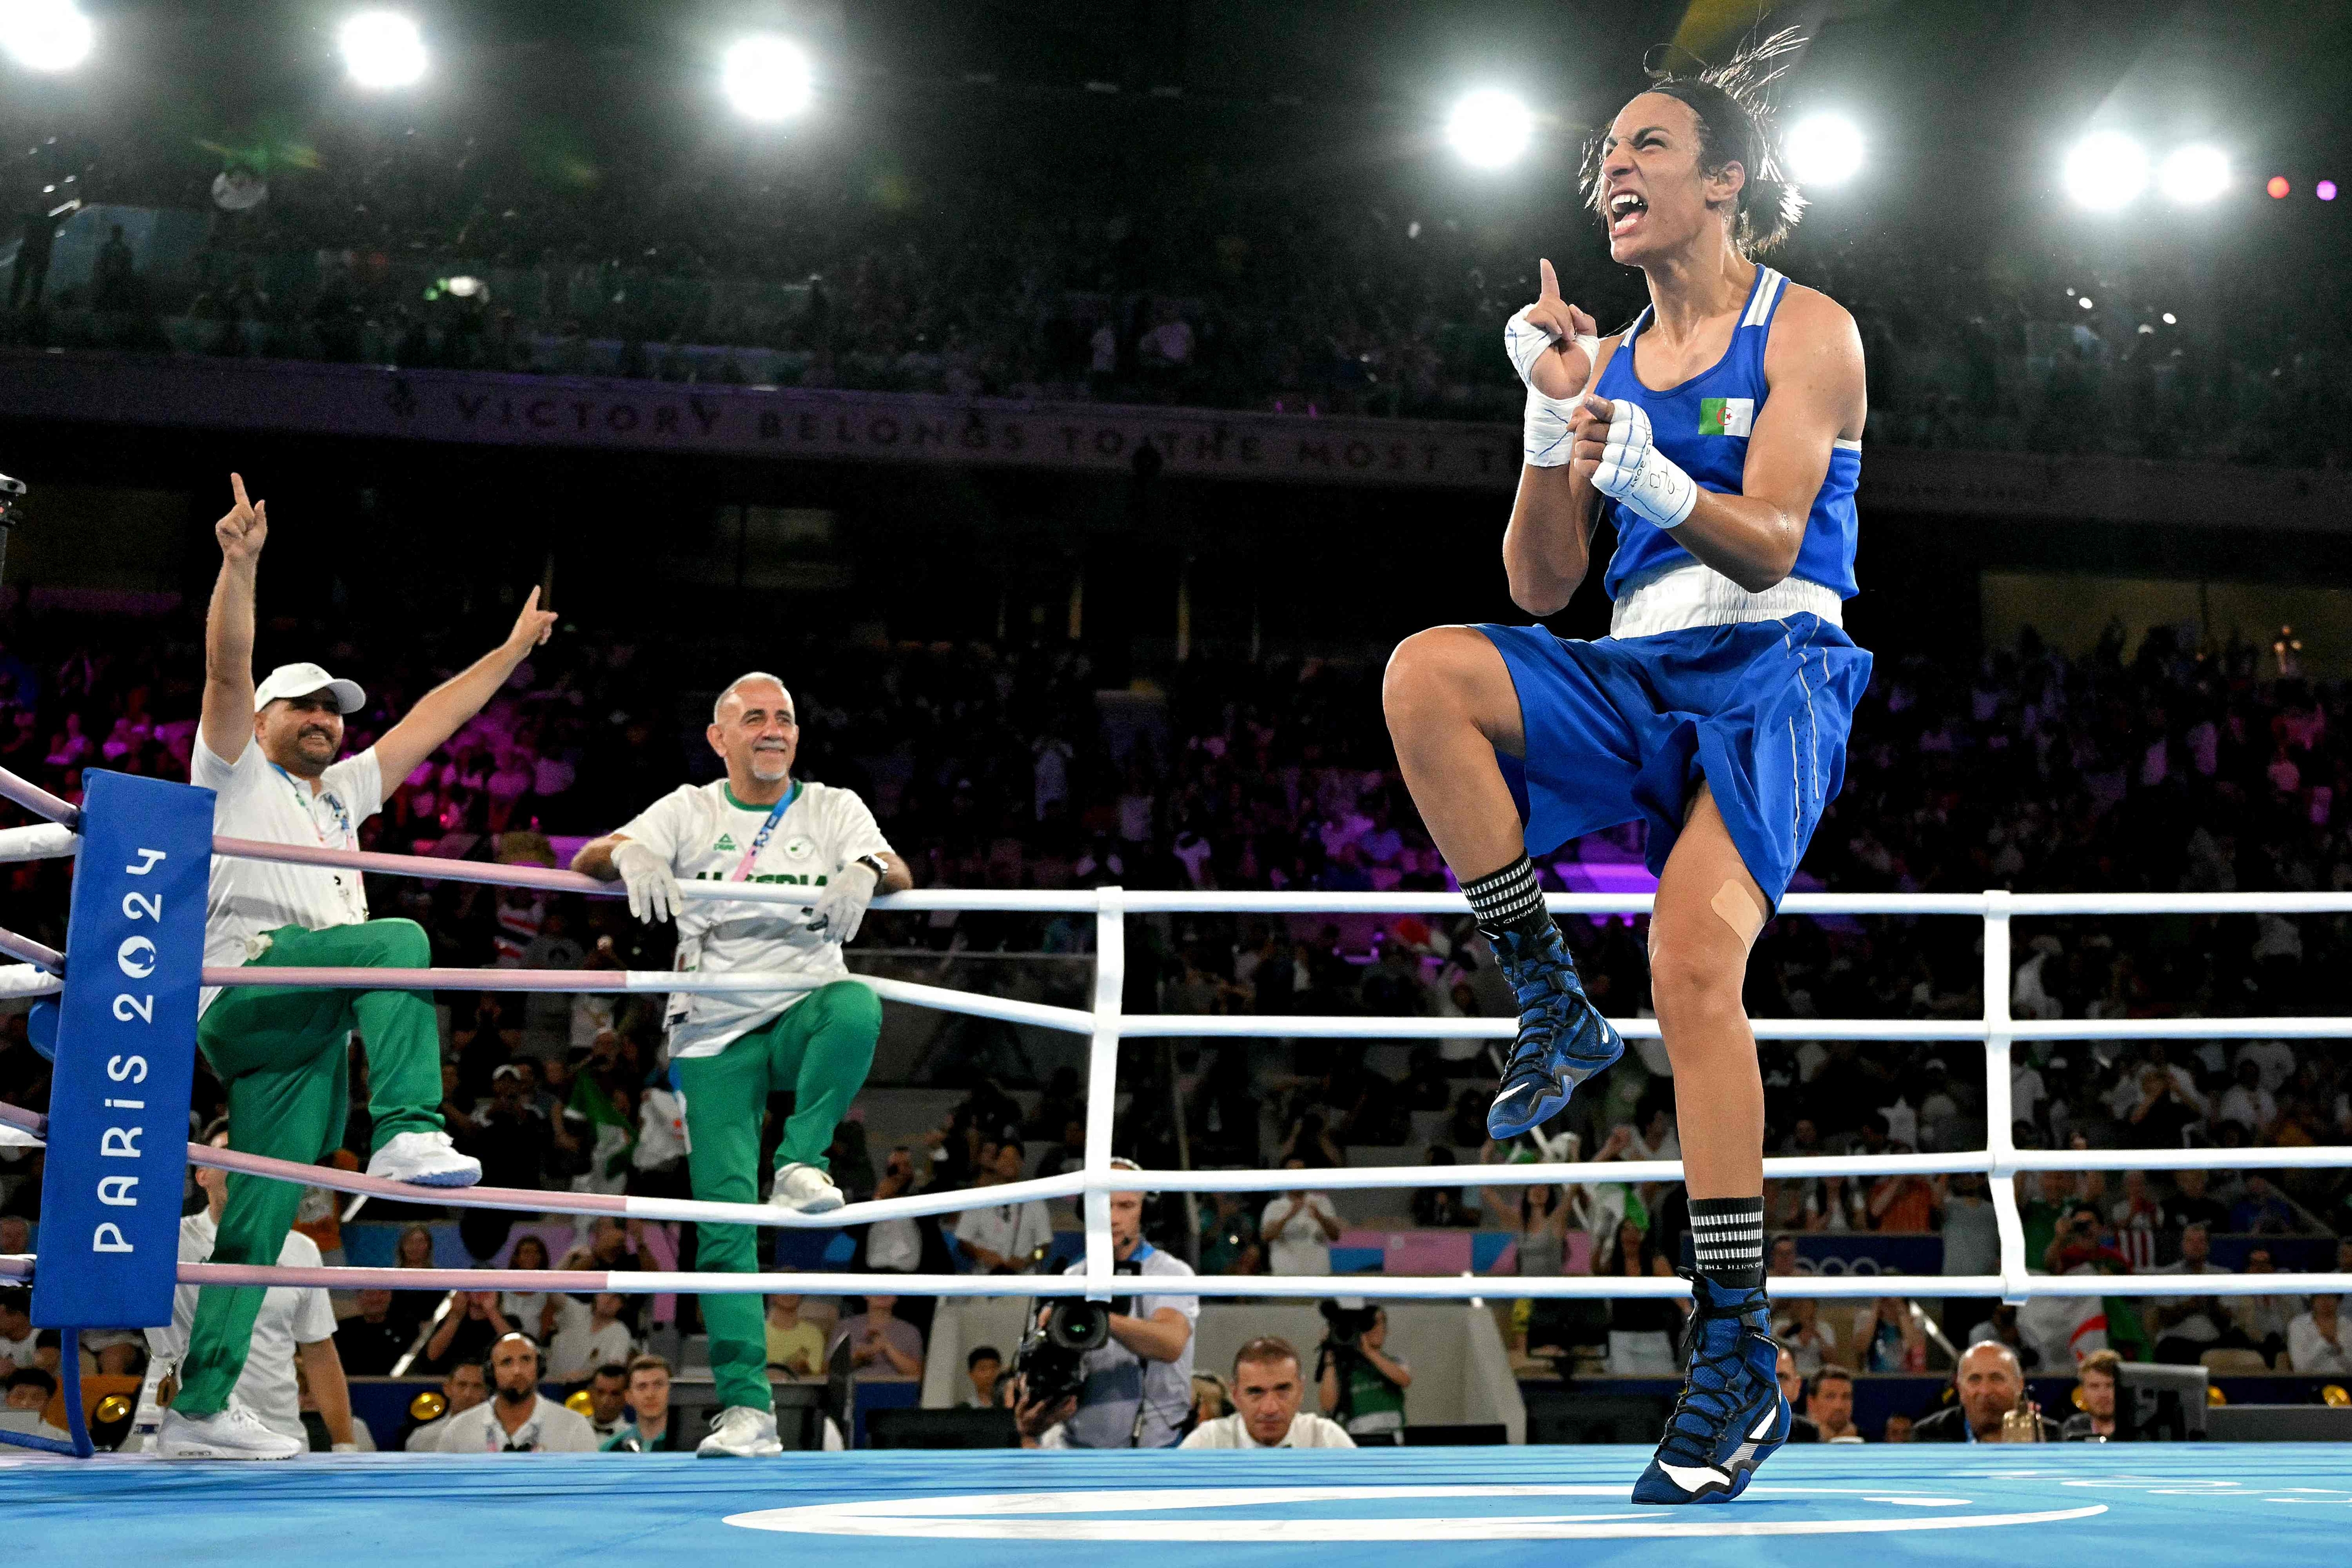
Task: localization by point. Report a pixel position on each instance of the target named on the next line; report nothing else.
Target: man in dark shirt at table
(373, 1342)
(1989, 1382)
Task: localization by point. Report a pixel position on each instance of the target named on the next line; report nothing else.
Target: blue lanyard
(760, 839)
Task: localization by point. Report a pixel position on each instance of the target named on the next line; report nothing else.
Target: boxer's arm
(1547, 549)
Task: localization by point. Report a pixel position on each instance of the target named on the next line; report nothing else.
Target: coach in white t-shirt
(1269, 1389)
(294, 1324)
(730, 1051)
(269, 754)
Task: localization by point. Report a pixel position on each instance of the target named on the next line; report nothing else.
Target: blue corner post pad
(125, 1056)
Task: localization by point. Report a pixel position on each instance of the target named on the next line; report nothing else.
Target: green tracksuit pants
(820, 1050)
(283, 1056)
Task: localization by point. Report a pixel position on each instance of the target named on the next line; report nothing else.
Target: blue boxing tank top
(1702, 425)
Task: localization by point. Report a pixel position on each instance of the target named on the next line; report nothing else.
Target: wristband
(1633, 471)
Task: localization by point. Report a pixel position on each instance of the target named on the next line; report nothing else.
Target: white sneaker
(739, 1432)
(804, 1189)
(425, 1159)
(235, 1433)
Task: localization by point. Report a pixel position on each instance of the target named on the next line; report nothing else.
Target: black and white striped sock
(1509, 900)
(1727, 1240)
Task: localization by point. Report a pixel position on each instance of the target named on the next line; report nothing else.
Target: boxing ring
(144, 850)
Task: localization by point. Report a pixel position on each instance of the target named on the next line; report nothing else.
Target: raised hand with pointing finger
(1552, 346)
(244, 528)
(1551, 343)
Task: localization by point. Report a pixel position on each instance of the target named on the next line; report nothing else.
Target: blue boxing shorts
(1624, 729)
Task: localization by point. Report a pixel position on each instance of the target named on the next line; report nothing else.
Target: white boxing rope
(28, 980)
(1106, 1025)
(1296, 1287)
(41, 841)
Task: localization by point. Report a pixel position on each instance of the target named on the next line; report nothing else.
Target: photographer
(1134, 1388)
(1359, 1385)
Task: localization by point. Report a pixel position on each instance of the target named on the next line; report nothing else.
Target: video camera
(1050, 1362)
(1346, 1319)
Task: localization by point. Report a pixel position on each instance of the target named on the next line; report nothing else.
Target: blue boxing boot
(1731, 1417)
(1563, 1039)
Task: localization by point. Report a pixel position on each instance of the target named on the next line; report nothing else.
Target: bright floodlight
(766, 79)
(2106, 171)
(2194, 174)
(44, 35)
(1824, 149)
(383, 49)
(1490, 128)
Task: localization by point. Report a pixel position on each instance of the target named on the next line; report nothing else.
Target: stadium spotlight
(1490, 128)
(766, 79)
(383, 49)
(2106, 170)
(2278, 187)
(44, 35)
(1824, 149)
(2194, 174)
(2325, 190)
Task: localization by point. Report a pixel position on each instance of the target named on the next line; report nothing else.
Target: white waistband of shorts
(1677, 597)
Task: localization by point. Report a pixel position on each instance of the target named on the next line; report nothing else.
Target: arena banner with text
(790, 422)
(491, 408)
(126, 1054)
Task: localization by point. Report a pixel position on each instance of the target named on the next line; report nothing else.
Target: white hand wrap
(1545, 437)
(652, 887)
(1650, 484)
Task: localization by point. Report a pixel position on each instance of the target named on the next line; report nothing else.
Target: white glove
(1650, 484)
(842, 908)
(652, 887)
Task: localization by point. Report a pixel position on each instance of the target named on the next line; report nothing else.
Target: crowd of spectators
(445, 247)
(2137, 766)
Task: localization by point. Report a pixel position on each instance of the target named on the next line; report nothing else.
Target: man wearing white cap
(270, 753)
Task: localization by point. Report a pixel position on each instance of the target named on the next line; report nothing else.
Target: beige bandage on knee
(1740, 911)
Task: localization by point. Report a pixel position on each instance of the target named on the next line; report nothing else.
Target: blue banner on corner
(126, 1045)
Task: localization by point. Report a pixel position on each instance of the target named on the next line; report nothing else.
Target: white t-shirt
(20, 1351)
(581, 1347)
(552, 1429)
(258, 800)
(290, 1317)
(704, 833)
(1298, 1247)
(2307, 1352)
(1011, 1230)
(1306, 1431)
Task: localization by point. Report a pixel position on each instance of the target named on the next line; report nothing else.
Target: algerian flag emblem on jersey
(1726, 416)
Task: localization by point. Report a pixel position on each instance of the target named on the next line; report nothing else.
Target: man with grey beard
(730, 1053)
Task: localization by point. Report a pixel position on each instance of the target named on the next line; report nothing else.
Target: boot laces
(1708, 1396)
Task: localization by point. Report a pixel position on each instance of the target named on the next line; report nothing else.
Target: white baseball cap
(301, 681)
